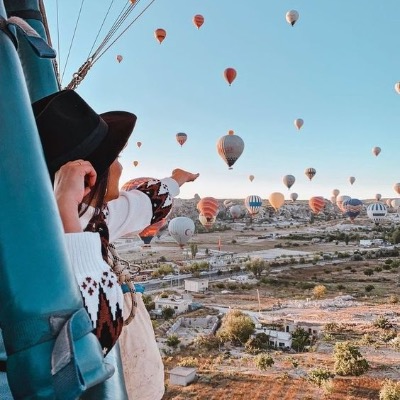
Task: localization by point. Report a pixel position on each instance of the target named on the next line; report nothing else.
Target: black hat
(70, 129)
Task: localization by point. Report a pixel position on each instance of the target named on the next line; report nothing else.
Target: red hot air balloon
(208, 208)
(198, 20)
(119, 58)
(230, 147)
(135, 183)
(181, 138)
(160, 34)
(148, 233)
(230, 75)
(316, 203)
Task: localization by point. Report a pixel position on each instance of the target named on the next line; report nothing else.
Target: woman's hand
(181, 176)
(73, 181)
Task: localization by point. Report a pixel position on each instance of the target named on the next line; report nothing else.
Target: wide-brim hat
(70, 129)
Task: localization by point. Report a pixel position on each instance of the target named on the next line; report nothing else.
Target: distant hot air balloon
(136, 163)
(138, 144)
(208, 207)
(119, 58)
(160, 34)
(253, 204)
(310, 173)
(396, 188)
(148, 233)
(395, 203)
(298, 123)
(352, 180)
(294, 196)
(181, 138)
(228, 203)
(377, 212)
(335, 192)
(181, 229)
(397, 87)
(316, 203)
(292, 16)
(251, 178)
(333, 199)
(376, 150)
(378, 196)
(235, 211)
(352, 208)
(230, 75)
(289, 180)
(277, 200)
(230, 147)
(207, 222)
(198, 20)
(340, 200)
(387, 202)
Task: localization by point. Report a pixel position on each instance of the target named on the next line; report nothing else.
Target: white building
(196, 285)
(179, 304)
(278, 339)
(182, 376)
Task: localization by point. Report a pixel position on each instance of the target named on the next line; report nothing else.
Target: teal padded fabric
(35, 276)
(5, 393)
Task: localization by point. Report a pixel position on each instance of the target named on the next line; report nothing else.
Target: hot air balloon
(181, 138)
(396, 188)
(277, 200)
(292, 16)
(138, 144)
(136, 163)
(253, 204)
(228, 203)
(235, 211)
(135, 183)
(294, 196)
(160, 34)
(397, 87)
(298, 123)
(376, 150)
(395, 203)
(316, 203)
(198, 20)
(289, 180)
(181, 229)
(388, 202)
(333, 199)
(230, 75)
(119, 58)
(208, 208)
(310, 173)
(148, 233)
(340, 200)
(230, 147)
(378, 196)
(251, 178)
(352, 180)
(352, 208)
(335, 192)
(377, 212)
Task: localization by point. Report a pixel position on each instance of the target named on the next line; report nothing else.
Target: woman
(81, 150)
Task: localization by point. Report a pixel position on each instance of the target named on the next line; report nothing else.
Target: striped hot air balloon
(316, 203)
(253, 204)
(310, 173)
(148, 233)
(352, 208)
(377, 212)
(230, 147)
(208, 208)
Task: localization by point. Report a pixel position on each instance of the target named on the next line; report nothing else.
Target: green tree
(319, 376)
(348, 360)
(167, 312)
(193, 249)
(300, 339)
(257, 267)
(263, 361)
(319, 291)
(257, 344)
(172, 341)
(236, 327)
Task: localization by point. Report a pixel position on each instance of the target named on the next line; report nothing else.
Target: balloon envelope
(397, 87)
(277, 200)
(289, 180)
(396, 188)
(228, 203)
(230, 75)
(352, 180)
(335, 192)
(119, 58)
(377, 212)
(310, 173)
(136, 163)
(251, 178)
(253, 204)
(292, 16)
(340, 200)
(316, 203)
(181, 138)
(160, 34)
(148, 233)
(395, 203)
(352, 208)
(198, 20)
(207, 222)
(208, 206)
(181, 229)
(235, 211)
(378, 196)
(135, 183)
(294, 196)
(230, 147)
(376, 150)
(138, 144)
(298, 123)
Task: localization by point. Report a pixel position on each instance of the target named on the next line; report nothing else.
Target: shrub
(236, 327)
(319, 291)
(263, 361)
(340, 287)
(378, 269)
(393, 299)
(369, 288)
(382, 322)
(319, 376)
(390, 390)
(207, 342)
(173, 341)
(348, 360)
(368, 272)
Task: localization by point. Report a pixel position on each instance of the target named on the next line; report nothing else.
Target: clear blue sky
(336, 69)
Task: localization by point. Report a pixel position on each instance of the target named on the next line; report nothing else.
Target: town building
(182, 376)
(196, 285)
(179, 304)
